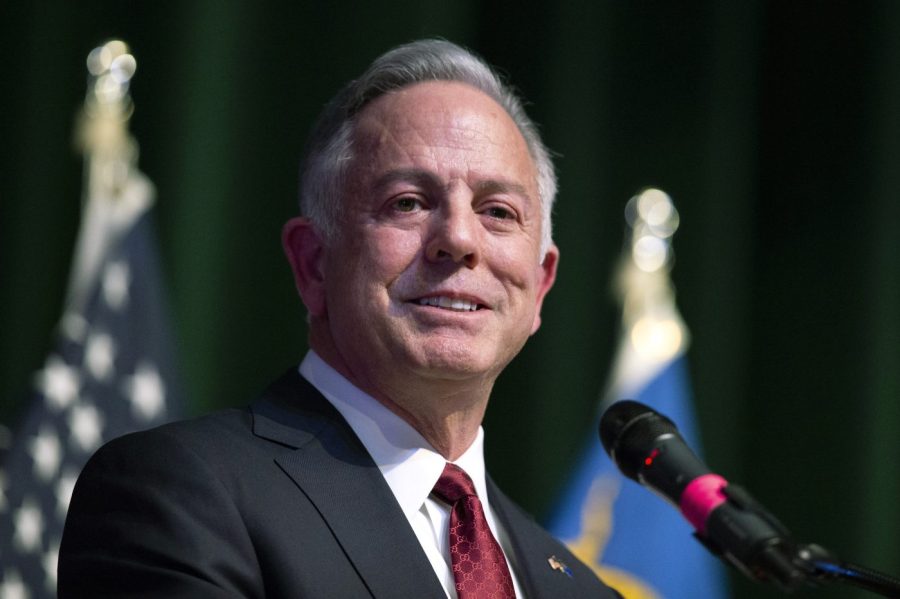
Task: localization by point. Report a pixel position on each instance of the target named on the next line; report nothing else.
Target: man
(423, 257)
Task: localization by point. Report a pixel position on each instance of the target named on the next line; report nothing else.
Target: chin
(457, 360)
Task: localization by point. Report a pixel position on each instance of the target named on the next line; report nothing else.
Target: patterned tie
(479, 567)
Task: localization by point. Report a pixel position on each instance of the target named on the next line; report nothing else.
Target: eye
(500, 213)
(406, 204)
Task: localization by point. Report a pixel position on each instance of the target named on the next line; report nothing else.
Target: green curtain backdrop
(775, 126)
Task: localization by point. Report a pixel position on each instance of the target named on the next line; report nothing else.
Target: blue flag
(637, 542)
(641, 545)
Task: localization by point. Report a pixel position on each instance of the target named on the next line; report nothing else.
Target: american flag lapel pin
(557, 564)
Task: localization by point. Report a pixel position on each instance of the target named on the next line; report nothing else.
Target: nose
(454, 235)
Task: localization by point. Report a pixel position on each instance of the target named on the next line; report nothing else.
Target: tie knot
(454, 484)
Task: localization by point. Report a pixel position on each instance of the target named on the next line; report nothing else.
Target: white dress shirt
(409, 464)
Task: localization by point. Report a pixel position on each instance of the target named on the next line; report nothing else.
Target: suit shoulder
(207, 443)
(216, 428)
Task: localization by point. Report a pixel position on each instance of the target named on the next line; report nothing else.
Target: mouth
(455, 304)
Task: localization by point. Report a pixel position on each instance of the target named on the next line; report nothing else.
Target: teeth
(451, 303)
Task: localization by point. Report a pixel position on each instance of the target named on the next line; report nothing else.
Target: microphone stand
(825, 567)
(774, 557)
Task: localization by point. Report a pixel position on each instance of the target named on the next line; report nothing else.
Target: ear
(546, 278)
(305, 251)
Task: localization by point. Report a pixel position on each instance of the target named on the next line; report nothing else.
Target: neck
(446, 412)
(449, 424)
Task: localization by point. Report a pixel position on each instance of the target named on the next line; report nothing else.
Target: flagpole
(654, 334)
(115, 193)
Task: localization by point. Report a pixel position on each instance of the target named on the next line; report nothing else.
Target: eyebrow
(502, 186)
(418, 176)
(426, 178)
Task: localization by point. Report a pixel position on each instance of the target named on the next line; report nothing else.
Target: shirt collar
(409, 464)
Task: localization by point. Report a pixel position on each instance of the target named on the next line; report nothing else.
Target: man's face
(436, 270)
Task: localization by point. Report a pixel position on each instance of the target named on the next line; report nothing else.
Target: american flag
(112, 371)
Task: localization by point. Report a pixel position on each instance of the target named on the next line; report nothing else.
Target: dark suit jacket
(279, 500)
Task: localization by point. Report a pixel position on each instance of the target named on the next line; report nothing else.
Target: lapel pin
(557, 564)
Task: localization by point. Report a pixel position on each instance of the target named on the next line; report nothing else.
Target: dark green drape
(775, 126)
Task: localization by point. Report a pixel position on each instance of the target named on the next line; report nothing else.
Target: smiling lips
(450, 303)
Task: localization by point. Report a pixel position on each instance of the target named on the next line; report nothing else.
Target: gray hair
(329, 149)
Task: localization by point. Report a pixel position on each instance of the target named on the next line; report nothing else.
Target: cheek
(363, 273)
(518, 267)
(387, 252)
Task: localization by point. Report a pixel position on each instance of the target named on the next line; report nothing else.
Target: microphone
(647, 447)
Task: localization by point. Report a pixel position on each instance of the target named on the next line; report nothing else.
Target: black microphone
(647, 448)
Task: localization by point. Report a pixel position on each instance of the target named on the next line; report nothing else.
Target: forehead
(445, 125)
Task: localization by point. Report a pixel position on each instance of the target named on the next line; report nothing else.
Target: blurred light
(99, 60)
(656, 339)
(111, 67)
(631, 213)
(117, 47)
(650, 253)
(123, 67)
(653, 200)
(657, 210)
(658, 214)
(652, 210)
(112, 57)
(107, 89)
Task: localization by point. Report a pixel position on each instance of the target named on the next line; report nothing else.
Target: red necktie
(479, 567)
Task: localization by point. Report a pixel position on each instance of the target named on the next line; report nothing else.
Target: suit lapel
(533, 550)
(332, 468)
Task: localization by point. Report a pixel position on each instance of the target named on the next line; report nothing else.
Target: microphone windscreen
(628, 431)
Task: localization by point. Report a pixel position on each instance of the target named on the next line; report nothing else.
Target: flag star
(12, 586)
(64, 487)
(59, 382)
(46, 452)
(99, 354)
(116, 280)
(146, 391)
(86, 424)
(29, 524)
(73, 326)
(49, 561)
